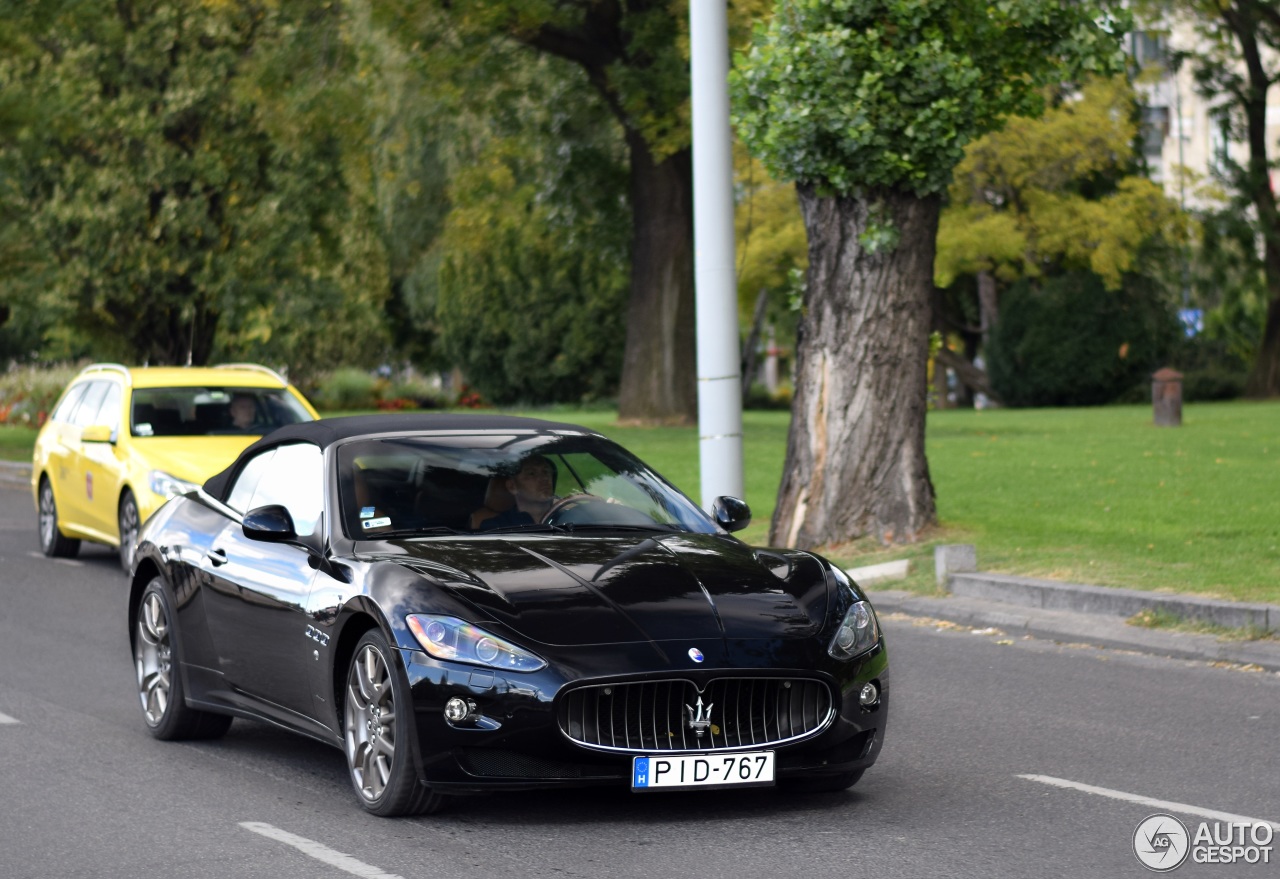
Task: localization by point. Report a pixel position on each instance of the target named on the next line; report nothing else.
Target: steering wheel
(559, 510)
(591, 509)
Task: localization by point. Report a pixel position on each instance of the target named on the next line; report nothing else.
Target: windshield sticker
(381, 522)
(366, 512)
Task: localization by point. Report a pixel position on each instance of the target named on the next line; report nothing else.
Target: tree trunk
(1242, 19)
(855, 453)
(988, 306)
(659, 366)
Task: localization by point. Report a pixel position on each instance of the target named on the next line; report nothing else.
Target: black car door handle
(217, 556)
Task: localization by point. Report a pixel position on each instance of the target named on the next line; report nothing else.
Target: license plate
(749, 769)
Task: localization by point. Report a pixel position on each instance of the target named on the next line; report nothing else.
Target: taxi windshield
(212, 411)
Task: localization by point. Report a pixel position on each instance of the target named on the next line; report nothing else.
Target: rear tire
(127, 519)
(377, 733)
(156, 662)
(52, 542)
(825, 784)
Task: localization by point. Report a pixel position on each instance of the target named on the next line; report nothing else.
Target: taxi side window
(109, 411)
(87, 411)
(242, 489)
(295, 480)
(63, 413)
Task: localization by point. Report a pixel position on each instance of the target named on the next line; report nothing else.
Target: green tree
(533, 280)
(868, 105)
(184, 178)
(1056, 193)
(1235, 58)
(634, 56)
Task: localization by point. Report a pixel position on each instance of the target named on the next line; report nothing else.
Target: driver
(244, 414)
(533, 487)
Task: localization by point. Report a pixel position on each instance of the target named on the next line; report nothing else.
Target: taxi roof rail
(109, 367)
(258, 367)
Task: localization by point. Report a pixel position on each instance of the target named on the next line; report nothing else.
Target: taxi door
(75, 488)
(52, 451)
(104, 466)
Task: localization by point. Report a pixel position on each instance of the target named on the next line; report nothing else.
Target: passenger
(533, 488)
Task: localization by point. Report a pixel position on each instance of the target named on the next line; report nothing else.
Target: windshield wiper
(605, 526)
(528, 528)
(414, 532)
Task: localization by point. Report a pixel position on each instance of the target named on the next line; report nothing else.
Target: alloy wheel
(48, 517)
(128, 531)
(369, 723)
(153, 658)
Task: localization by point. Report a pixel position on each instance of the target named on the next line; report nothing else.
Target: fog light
(458, 710)
(869, 695)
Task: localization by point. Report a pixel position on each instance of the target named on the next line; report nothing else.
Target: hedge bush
(1068, 341)
(346, 388)
(28, 393)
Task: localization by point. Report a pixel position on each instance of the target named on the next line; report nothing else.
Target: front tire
(155, 660)
(52, 542)
(127, 518)
(378, 732)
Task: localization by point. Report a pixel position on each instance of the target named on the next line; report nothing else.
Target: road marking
(72, 562)
(4, 718)
(318, 851)
(1148, 801)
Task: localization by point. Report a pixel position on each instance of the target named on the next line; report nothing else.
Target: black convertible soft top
(327, 431)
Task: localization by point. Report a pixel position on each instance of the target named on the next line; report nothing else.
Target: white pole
(719, 357)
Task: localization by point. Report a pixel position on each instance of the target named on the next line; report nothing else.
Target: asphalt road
(86, 792)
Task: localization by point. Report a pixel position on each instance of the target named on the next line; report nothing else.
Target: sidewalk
(1095, 615)
(15, 474)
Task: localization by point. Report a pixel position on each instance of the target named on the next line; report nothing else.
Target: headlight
(169, 486)
(450, 638)
(857, 634)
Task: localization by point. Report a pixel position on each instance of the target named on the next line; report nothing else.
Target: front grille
(655, 715)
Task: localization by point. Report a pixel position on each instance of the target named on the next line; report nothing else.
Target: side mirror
(271, 524)
(97, 433)
(730, 513)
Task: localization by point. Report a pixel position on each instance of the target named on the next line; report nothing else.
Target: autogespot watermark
(1163, 843)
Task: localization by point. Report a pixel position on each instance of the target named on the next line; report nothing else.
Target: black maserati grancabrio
(475, 603)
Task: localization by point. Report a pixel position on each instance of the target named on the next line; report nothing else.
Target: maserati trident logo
(698, 719)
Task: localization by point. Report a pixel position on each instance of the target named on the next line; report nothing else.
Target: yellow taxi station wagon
(121, 441)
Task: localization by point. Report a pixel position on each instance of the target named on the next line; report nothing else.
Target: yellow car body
(122, 436)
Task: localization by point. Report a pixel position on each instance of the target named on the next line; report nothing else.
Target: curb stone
(1111, 601)
(1097, 629)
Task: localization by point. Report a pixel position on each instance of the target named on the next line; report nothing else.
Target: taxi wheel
(128, 521)
(377, 731)
(52, 541)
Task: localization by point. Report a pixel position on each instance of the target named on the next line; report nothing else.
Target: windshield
(212, 411)
(504, 484)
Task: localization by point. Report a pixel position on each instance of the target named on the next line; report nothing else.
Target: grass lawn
(1090, 495)
(1094, 495)
(16, 443)
(1102, 496)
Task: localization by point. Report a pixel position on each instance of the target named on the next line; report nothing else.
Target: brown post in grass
(1166, 397)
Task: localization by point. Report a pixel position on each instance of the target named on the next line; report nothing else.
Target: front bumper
(517, 742)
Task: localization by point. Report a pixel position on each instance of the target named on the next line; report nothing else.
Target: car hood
(574, 590)
(190, 458)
